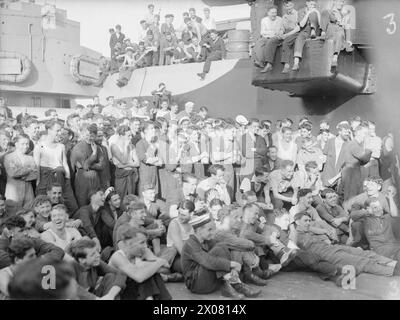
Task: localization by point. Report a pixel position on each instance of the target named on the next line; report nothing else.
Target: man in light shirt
(208, 21)
(271, 37)
(143, 31)
(193, 16)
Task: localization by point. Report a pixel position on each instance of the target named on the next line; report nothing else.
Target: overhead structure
(354, 73)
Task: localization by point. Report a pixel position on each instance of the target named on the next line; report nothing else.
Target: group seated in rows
(120, 200)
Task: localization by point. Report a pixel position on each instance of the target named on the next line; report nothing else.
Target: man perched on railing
(152, 44)
(213, 50)
(167, 48)
(306, 27)
(208, 21)
(335, 25)
(271, 33)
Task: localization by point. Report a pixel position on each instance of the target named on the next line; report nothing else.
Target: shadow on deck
(308, 286)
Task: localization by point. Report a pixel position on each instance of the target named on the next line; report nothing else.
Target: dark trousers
(205, 281)
(305, 34)
(152, 287)
(106, 284)
(152, 58)
(287, 48)
(357, 231)
(125, 182)
(230, 179)
(265, 49)
(165, 57)
(306, 261)
(371, 169)
(210, 56)
(85, 182)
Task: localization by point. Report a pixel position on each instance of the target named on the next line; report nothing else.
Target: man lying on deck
(342, 256)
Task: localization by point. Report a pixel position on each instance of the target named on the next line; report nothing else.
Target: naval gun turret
(42, 63)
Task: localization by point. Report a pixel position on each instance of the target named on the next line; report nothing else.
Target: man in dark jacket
(213, 50)
(90, 216)
(205, 270)
(88, 270)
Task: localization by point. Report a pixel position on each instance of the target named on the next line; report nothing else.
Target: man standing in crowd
(86, 161)
(148, 154)
(254, 149)
(135, 260)
(126, 162)
(21, 171)
(51, 158)
(334, 152)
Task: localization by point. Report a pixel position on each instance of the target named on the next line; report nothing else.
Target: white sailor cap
(242, 120)
(198, 221)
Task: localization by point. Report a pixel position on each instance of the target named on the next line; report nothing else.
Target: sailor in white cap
(207, 270)
(241, 120)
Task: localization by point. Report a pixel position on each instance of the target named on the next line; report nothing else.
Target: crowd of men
(121, 198)
(197, 40)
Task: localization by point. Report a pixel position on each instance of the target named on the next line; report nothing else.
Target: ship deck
(308, 286)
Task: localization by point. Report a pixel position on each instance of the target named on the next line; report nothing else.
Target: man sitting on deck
(207, 270)
(342, 256)
(140, 265)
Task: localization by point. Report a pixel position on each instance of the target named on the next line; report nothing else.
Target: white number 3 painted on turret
(391, 29)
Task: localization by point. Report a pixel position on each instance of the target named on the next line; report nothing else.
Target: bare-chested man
(126, 162)
(50, 156)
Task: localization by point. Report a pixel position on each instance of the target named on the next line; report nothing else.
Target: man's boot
(202, 75)
(264, 274)
(267, 68)
(286, 68)
(228, 291)
(396, 271)
(248, 291)
(252, 278)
